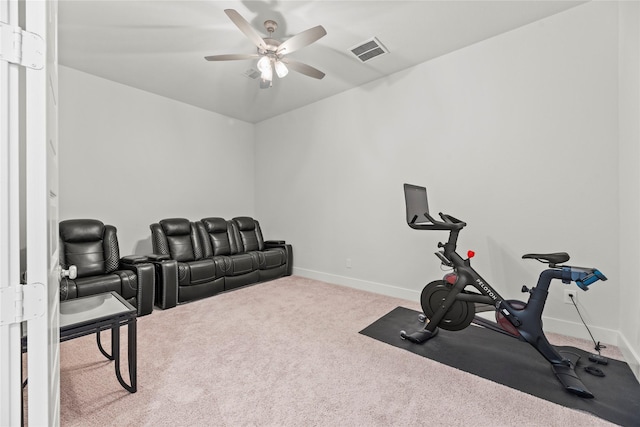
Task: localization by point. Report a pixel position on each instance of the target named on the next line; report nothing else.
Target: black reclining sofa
(199, 259)
(91, 248)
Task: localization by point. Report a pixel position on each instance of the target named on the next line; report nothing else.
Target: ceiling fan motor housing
(271, 26)
(272, 47)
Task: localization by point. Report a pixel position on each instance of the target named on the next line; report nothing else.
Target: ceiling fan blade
(246, 28)
(231, 57)
(305, 69)
(301, 40)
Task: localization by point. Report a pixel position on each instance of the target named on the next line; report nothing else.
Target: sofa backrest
(187, 241)
(216, 240)
(178, 238)
(249, 235)
(89, 245)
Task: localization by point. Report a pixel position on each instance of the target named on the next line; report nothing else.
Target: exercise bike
(452, 303)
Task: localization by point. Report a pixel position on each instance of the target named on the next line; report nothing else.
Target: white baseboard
(558, 326)
(577, 330)
(630, 356)
(365, 285)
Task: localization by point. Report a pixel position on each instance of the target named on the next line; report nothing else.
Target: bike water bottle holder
(443, 259)
(584, 277)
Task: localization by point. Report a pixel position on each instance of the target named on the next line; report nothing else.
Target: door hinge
(21, 303)
(21, 47)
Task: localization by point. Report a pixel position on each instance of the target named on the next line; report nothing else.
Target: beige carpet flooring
(287, 353)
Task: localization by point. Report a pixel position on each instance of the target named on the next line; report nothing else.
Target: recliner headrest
(215, 225)
(176, 226)
(245, 223)
(81, 230)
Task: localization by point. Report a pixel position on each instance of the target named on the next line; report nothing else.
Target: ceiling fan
(272, 53)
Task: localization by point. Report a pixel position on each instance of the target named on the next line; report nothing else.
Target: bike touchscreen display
(415, 198)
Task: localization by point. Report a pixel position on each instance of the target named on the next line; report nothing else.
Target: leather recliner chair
(272, 257)
(239, 268)
(198, 276)
(93, 248)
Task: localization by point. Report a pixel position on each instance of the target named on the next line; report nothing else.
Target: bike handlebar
(584, 277)
(450, 219)
(448, 223)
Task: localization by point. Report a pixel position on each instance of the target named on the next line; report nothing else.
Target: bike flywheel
(457, 317)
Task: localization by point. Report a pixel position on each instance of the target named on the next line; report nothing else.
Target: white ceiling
(159, 45)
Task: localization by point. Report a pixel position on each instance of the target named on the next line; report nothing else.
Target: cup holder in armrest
(158, 257)
(275, 242)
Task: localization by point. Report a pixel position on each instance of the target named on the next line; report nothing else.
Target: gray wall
(131, 158)
(629, 117)
(515, 135)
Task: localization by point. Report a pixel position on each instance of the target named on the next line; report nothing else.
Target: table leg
(131, 351)
(107, 355)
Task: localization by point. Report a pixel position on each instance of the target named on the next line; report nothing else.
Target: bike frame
(526, 320)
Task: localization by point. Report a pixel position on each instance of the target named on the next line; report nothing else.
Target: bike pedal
(594, 371)
(600, 360)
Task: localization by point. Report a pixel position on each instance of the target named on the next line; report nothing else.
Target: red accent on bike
(470, 254)
(451, 278)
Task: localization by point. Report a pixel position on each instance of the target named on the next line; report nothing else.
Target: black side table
(94, 314)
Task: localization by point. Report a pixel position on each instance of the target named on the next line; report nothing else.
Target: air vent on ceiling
(251, 73)
(369, 49)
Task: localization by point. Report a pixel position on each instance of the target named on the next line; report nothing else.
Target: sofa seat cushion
(234, 265)
(196, 272)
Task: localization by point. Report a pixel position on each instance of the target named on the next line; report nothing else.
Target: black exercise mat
(516, 364)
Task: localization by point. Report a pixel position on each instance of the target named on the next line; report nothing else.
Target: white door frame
(37, 302)
(10, 346)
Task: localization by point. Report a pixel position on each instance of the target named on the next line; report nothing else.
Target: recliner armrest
(274, 242)
(166, 272)
(134, 259)
(158, 257)
(68, 289)
(146, 281)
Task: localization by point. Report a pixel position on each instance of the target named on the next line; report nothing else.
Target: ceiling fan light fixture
(267, 73)
(264, 64)
(281, 69)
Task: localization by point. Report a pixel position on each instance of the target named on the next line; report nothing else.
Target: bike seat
(553, 258)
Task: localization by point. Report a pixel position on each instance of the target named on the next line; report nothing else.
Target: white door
(38, 102)
(42, 217)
